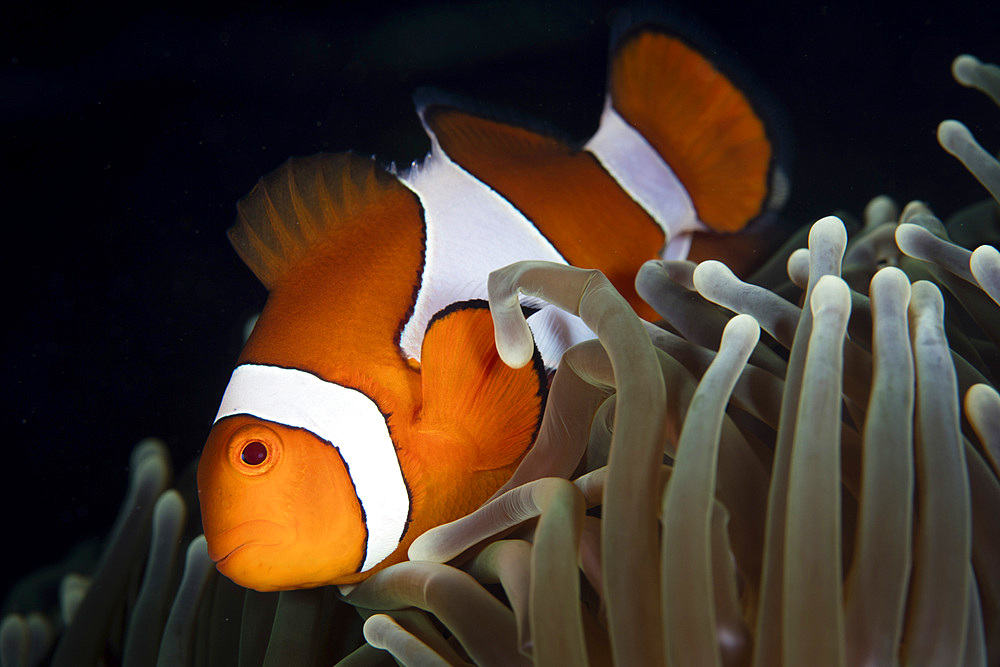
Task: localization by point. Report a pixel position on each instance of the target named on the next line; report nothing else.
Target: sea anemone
(799, 466)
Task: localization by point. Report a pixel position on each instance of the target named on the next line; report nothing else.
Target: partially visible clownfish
(369, 403)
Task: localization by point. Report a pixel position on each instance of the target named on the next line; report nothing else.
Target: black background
(127, 135)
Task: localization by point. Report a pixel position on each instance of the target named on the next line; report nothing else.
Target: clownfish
(369, 403)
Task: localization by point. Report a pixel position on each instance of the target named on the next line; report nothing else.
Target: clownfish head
(295, 495)
(274, 498)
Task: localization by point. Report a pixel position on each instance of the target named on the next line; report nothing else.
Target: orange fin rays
(468, 389)
(699, 122)
(303, 202)
(355, 237)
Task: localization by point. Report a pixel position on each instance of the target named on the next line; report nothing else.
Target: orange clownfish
(369, 403)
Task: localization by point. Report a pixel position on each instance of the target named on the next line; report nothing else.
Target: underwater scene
(835, 385)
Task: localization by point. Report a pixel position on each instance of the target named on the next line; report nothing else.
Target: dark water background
(126, 137)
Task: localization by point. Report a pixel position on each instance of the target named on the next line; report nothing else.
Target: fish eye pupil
(254, 453)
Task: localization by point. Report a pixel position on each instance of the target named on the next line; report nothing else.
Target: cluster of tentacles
(701, 492)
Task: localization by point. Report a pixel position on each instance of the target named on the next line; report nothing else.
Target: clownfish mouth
(222, 560)
(257, 532)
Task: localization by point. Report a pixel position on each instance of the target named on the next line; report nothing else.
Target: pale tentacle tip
(830, 291)
(881, 209)
(711, 270)
(907, 235)
(421, 548)
(980, 396)
(710, 273)
(891, 278)
(830, 229)
(198, 548)
(741, 330)
(651, 269)
(912, 209)
(798, 267)
(514, 342)
(926, 297)
(984, 258)
(679, 270)
(383, 632)
(963, 68)
(513, 338)
(652, 265)
(951, 134)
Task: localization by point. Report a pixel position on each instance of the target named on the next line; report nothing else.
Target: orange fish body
(369, 403)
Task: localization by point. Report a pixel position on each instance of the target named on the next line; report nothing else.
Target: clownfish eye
(254, 453)
(254, 449)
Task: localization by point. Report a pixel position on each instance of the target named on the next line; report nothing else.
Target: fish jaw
(246, 534)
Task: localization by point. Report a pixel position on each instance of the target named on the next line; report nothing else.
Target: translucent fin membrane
(307, 201)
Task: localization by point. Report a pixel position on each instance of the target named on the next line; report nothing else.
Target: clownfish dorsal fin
(702, 125)
(304, 201)
(468, 390)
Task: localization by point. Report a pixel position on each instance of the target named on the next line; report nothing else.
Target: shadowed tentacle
(985, 267)
(955, 138)
(25, 639)
(483, 625)
(827, 241)
(150, 475)
(690, 622)
(382, 631)
(142, 643)
(936, 622)
(812, 615)
(177, 646)
(554, 587)
(876, 588)
(982, 407)
(630, 506)
(985, 77)
(508, 563)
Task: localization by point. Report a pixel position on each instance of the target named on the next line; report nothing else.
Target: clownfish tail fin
(301, 202)
(707, 130)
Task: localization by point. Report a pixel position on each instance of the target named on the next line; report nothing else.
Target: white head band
(343, 417)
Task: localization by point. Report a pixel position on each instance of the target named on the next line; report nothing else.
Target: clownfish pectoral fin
(703, 127)
(468, 390)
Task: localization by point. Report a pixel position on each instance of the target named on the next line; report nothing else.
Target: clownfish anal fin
(469, 391)
(700, 123)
